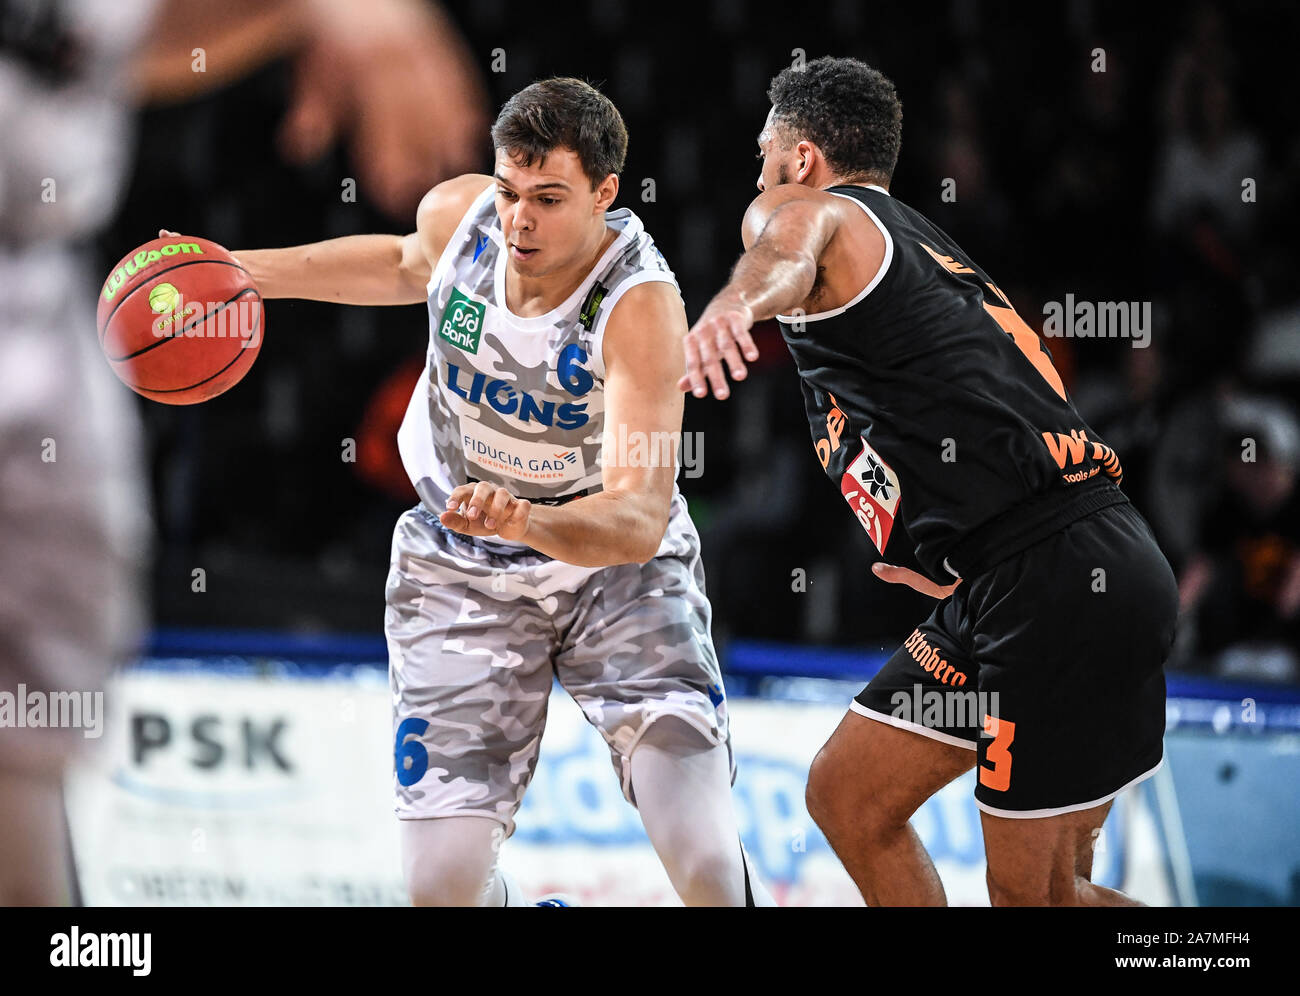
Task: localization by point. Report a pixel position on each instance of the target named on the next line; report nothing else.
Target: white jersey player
(550, 540)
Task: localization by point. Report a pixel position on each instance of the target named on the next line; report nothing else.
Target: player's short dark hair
(563, 113)
(851, 111)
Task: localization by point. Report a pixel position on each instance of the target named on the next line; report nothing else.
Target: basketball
(180, 320)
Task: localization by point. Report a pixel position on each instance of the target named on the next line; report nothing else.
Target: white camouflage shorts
(476, 636)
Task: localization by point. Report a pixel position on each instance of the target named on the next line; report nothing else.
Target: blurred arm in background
(393, 77)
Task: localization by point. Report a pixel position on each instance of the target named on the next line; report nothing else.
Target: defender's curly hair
(851, 111)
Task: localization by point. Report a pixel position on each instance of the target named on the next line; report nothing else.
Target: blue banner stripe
(261, 652)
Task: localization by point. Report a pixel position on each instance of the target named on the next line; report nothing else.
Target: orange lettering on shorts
(931, 660)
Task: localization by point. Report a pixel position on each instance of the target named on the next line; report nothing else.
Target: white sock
(505, 891)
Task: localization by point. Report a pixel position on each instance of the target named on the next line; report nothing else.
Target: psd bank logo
(462, 322)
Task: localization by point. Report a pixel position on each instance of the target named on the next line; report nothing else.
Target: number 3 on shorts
(998, 753)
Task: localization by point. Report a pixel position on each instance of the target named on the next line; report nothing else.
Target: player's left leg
(1048, 861)
(682, 787)
(637, 656)
(452, 861)
(1071, 637)
(470, 674)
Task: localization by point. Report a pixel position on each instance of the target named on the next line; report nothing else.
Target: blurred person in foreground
(74, 523)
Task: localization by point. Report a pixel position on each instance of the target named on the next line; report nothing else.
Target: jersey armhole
(875, 281)
(607, 308)
(452, 248)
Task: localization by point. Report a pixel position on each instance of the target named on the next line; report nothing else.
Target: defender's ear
(808, 156)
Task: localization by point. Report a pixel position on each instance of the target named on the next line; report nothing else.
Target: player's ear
(606, 191)
(808, 154)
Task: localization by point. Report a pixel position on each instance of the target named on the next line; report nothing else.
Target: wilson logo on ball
(140, 260)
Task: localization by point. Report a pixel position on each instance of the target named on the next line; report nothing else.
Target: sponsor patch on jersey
(870, 486)
(462, 322)
(537, 463)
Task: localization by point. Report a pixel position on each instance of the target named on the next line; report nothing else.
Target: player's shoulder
(773, 197)
(442, 208)
(638, 280)
(645, 321)
(762, 207)
(638, 259)
(445, 204)
(450, 199)
(642, 293)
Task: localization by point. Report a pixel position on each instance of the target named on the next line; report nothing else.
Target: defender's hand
(482, 509)
(721, 332)
(901, 575)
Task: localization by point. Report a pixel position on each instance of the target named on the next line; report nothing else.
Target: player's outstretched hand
(901, 575)
(721, 333)
(165, 233)
(483, 509)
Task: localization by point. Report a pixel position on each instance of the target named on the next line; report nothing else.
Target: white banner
(214, 789)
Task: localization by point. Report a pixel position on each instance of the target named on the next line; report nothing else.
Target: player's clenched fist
(721, 333)
(484, 509)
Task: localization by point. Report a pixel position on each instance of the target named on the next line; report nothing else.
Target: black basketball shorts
(1049, 665)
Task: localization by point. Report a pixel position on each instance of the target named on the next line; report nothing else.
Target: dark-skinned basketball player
(931, 402)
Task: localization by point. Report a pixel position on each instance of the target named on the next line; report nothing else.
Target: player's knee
(840, 801)
(431, 880)
(819, 793)
(448, 863)
(1005, 890)
(709, 876)
(831, 795)
(1060, 888)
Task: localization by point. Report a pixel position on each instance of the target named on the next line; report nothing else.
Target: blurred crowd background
(1126, 184)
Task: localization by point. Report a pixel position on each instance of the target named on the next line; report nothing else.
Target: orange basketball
(180, 320)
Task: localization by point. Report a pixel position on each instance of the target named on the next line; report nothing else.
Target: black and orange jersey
(930, 399)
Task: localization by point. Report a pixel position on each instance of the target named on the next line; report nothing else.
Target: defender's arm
(785, 232)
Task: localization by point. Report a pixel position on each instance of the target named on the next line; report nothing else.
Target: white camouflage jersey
(518, 402)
